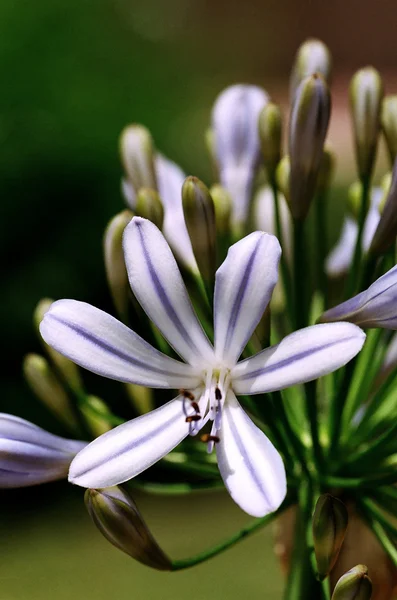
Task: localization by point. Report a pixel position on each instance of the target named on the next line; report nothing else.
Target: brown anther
(206, 437)
(192, 418)
(195, 406)
(218, 394)
(187, 394)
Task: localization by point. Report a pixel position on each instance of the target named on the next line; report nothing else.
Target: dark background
(73, 74)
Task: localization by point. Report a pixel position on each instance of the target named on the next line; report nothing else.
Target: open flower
(209, 379)
(30, 455)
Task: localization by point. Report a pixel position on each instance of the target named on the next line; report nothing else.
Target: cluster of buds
(314, 363)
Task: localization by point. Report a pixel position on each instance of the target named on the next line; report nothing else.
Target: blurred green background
(73, 75)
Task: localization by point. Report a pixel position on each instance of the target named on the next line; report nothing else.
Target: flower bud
(386, 232)
(308, 127)
(388, 119)
(366, 93)
(65, 367)
(48, 389)
(116, 272)
(117, 517)
(354, 199)
(312, 57)
(270, 131)
(283, 176)
(30, 455)
(137, 155)
(354, 585)
(330, 520)
(327, 169)
(223, 208)
(236, 143)
(148, 206)
(199, 211)
(95, 413)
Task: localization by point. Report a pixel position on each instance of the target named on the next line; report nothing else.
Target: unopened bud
(386, 232)
(330, 520)
(141, 398)
(223, 208)
(388, 120)
(116, 272)
(48, 389)
(149, 206)
(308, 128)
(118, 519)
(96, 413)
(366, 93)
(385, 184)
(67, 369)
(312, 57)
(354, 199)
(270, 131)
(137, 152)
(236, 143)
(199, 211)
(283, 176)
(327, 169)
(210, 145)
(354, 585)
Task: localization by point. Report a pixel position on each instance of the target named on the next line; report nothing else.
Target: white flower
(30, 455)
(341, 256)
(251, 467)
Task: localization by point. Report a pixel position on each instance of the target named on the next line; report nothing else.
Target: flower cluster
(210, 318)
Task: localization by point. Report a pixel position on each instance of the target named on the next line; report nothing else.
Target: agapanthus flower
(211, 375)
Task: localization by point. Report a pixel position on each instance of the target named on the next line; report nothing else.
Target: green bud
(199, 211)
(141, 398)
(67, 369)
(118, 519)
(137, 155)
(330, 520)
(388, 119)
(270, 132)
(149, 206)
(386, 232)
(223, 208)
(354, 199)
(116, 272)
(283, 172)
(385, 185)
(210, 145)
(45, 385)
(308, 127)
(354, 585)
(95, 412)
(366, 93)
(327, 169)
(312, 57)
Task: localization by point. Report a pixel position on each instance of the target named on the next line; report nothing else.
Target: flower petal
(243, 287)
(301, 356)
(157, 283)
(375, 307)
(265, 216)
(170, 179)
(341, 256)
(250, 466)
(30, 455)
(98, 342)
(129, 449)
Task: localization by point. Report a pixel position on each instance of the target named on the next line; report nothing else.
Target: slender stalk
(185, 563)
(336, 407)
(382, 536)
(312, 416)
(321, 245)
(300, 276)
(296, 445)
(378, 515)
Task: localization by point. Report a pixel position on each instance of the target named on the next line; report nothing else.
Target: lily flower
(211, 376)
(374, 307)
(30, 455)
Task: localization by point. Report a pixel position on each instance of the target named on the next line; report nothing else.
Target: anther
(206, 437)
(195, 406)
(218, 394)
(187, 394)
(192, 418)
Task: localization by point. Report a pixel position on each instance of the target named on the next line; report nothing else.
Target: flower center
(209, 405)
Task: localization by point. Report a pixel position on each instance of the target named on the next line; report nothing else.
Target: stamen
(187, 394)
(195, 407)
(207, 437)
(192, 418)
(218, 394)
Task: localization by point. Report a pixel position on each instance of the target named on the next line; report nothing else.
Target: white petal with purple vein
(341, 256)
(129, 449)
(243, 288)
(98, 342)
(301, 356)
(251, 467)
(157, 283)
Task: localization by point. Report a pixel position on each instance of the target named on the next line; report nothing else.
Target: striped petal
(301, 356)
(98, 342)
(129, 449)
(341, 256)
(265, 216)
(250, 465)
(375, 307)
(243, 287)
(157, 283)
(170, 179)
(30, 455)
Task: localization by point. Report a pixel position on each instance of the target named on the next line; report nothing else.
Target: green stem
(300, 276)
(354, 273)
(382, 536)
(297, 448)
(185, 563)
(312, 415)
(321, 245)
(353, 483)
(378, 516)
(336, 408)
